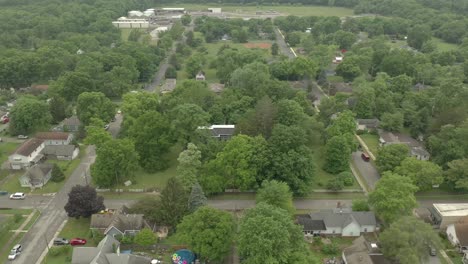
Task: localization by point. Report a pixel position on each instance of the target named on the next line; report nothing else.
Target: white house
(457, 234)
(339, 221)
(55, 138)
(28, 154)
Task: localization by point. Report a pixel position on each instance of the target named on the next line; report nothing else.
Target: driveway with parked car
(366, 169)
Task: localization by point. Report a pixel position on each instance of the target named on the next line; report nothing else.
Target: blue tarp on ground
(183, 256)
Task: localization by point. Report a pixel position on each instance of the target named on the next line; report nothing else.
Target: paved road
(366, 169)
(53, 214)
(114, 127)
(284, 47)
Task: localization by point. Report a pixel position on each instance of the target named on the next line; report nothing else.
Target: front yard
(12, 184)
(372, 142)
(74, 228)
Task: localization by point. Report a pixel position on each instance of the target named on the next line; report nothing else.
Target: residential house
(457, 234)
(338, 59)
(71, 124)
(200, 76)
(27, 154)
(106, 252)
(443, 215)
(367, 124)
(416, 147)
(216, 87)
(341, 87)
(222, 132)
(61, 152)
(55, 138)
(117, 222)
(363, 252)
(339, 221)
(37, 176)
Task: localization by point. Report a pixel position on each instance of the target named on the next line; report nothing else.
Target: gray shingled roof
(37, 173)
(335, 218)
(59, 150)
(310, 224)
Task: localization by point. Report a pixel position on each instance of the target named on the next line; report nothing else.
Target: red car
(77, 242)
(365, 157)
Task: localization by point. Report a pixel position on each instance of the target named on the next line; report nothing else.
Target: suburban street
(114, 127)
(52, 213)
(366, 169)
(284, 47)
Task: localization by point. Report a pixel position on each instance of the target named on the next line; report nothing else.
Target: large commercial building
(445, 214)
(124, 22)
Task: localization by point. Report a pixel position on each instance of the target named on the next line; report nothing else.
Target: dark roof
(462, 234)
(369, 123)
(124, 222)
(29, 146)
(59, 150)
(38, 172)
(72, 121)
(310, 224)
(102, 220)
(343, 217)
(53, 135)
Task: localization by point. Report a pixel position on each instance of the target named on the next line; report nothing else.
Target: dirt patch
(261, 45)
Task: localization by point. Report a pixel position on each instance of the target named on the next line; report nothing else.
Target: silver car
(18, 196)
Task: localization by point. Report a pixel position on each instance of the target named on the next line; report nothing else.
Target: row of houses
(30, 154)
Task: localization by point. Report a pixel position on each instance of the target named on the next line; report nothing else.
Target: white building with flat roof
(215, 10)
(446, 214)
(124, 22)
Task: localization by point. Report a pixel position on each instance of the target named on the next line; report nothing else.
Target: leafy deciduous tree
(390, 156)
(277, 194)
(424, 174)
(83, 201)
(145, 237)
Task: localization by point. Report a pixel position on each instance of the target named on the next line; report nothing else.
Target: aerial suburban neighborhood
(229, 132)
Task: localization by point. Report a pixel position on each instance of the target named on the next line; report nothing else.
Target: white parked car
(15, 251)
(22, 137)
(18, 196)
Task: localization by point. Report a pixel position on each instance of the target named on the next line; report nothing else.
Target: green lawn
(158, 180)
(6, 149)
(372, 142)
(321, 177)
(74, 228)
(15, 211)
(444, 46)
(298, 10)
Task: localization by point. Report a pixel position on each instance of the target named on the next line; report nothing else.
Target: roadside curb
(361, 182)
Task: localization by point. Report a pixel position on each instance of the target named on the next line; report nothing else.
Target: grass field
(372, 142)
(297, 10)
(440, 44)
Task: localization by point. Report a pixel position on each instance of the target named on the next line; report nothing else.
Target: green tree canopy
(268, 235)
(116, 162)
(408, 239)
(390, 156)
(145, 237)
(424, 174)
(29, 115)
(197, 198)
(153, 137)
(189, 165)
(457, 174)
(208, 232)
(94, 104)
(174, 203)
(337, 155)
(277, 194)
(393, 197)
(186, 118)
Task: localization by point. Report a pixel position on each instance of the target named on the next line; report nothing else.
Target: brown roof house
(117, 222)
(367, 124)
(363, 252)
(106, 252)
(55, 138)
(457, 234)
(37, 176)
(27, 154)
(61, 152)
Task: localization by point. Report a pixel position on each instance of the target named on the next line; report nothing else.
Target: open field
(297, 10)
(440, 44)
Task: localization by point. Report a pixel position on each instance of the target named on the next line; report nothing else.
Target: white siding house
(26, 155)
